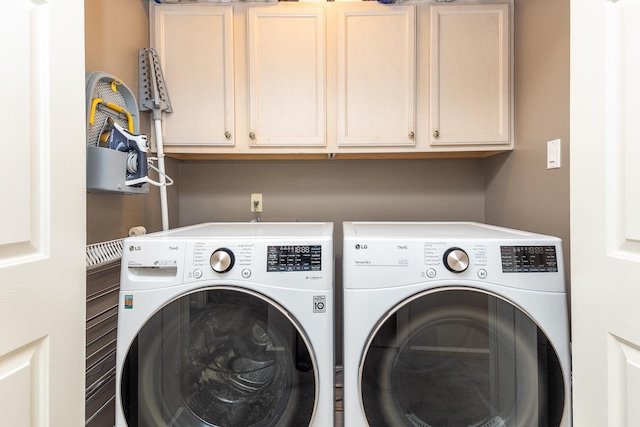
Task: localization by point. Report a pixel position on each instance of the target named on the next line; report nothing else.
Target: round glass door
(461, 357)
(219, 357)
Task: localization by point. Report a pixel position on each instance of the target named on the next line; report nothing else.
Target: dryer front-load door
(219, 357)
(461, 358)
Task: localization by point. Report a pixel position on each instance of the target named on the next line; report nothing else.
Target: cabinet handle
(252, 135)
(411, 134)
(436, 133)
(227, 135)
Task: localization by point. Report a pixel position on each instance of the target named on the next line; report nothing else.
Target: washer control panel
(282, 255)
(294, 258)
(285, 264)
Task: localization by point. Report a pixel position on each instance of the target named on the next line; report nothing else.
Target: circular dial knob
(222, 260)
(456, 260)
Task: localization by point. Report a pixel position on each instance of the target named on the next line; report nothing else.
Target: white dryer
(227, 324)
(454, 324)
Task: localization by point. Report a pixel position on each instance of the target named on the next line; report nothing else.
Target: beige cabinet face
(287, 76)
(470, 68)
(323, 79)
(195, 46)
(376, 75)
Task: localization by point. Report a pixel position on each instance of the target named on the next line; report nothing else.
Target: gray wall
(519, 190)
(332, 190)
(114, 31)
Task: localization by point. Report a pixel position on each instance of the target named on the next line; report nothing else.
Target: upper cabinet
(287, 76)
(470, 89)
(336, 79)
(195, 46)
(376, 75)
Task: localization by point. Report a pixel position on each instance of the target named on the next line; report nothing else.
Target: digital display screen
(529, 259)
(294, 258)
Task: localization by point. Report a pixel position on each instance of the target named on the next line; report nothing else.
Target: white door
(42, 214)
(605, 211)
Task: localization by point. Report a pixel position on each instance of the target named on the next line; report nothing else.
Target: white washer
(454, 324)
(227, 324)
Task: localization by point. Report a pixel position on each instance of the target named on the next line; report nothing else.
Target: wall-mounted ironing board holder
(106, 168)
(105, 172)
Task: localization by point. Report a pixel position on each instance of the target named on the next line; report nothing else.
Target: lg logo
(134, 248)
(359, 246)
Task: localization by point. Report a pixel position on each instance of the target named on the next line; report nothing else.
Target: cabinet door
(287, 76)
(195, 46)
(470, 69)
(376, 61)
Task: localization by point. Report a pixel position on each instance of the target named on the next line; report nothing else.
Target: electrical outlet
(256, 202)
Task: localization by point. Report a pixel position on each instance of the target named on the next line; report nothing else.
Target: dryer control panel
(381, 263)
(529, 259)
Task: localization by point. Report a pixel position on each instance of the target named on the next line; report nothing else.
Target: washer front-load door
(219, 357)
(460, 358)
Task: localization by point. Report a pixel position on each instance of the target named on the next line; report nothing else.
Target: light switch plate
(553, 154)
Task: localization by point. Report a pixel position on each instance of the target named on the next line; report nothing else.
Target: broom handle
(162, 179)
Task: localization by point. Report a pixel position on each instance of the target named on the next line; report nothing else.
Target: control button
(197, 273)
(456, 260)
(482, 273)
(431, 273)
(222, 260)
(246, 273)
